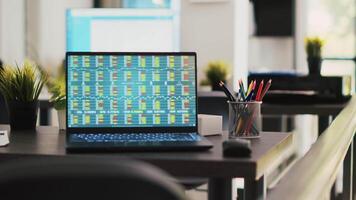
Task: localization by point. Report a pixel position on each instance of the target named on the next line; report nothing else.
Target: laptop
(132, 102)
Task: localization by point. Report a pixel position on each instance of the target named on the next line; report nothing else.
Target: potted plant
(56, 86)
(205, 86)
(217, 71)
(21, 87)
(313, 48)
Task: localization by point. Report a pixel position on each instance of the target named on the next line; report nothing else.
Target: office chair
(61, 178)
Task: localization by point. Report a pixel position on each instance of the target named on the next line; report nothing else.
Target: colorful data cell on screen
(171, 61)
(114, 104)
(100, 104)
(171, 90)
(157, 104)
(142, 90)
(128, 118)
(114, 90)
(75, 76)
(128, 61)
(75, 119)
(87, 90)
(128, 75)
(75, 61)
(86, 60)
(75, 90)
(87, 104)
(185, 90)
(128, 104)
(156, 76)
(100, 90)
(156, 90)
(185, 61)
(100, 76)
(128, 90)
(100, 118)
(171, 118)
(100, 61)
(75, 105)
(142, 61)
(156, 61)
(157, 119)
(142, 104)
(185, 104)
(171, 104)
(185, 75)
(114, 75)
(185, 118)
(87, 119)
(114, 119)
(142, 76)
(143, 119)
(114, 61)
(170, 76)
(87, 76)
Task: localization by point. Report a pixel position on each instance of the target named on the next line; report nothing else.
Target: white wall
(46, 29)
(210, 30)
(272, 53)
(12, 31)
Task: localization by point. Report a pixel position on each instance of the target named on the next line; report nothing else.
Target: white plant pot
(61, 119)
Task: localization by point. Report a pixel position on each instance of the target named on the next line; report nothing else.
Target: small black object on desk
(237, 148)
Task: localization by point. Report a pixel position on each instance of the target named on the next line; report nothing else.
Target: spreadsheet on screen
(131, 90)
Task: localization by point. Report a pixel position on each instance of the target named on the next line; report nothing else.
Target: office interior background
(251, 36)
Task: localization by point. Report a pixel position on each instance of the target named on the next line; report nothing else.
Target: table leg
(353, 170)
(333, 193)
(347, 174)
(255, 189)
(44, 116)
(220, 189)
(323, 123)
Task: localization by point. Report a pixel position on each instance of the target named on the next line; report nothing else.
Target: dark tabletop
(265, 152)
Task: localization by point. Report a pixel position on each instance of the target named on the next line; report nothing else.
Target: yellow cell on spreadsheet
(143, 105)
(171, 90)
(172, 104)
(75, 119)
(156, 76)
(157, 89)
(143, 119)
(156, 61)
(87, 119)
(172, 118)
(157, 105)
(142, 76)
(87, 76)
(157, 119)
(143, 62)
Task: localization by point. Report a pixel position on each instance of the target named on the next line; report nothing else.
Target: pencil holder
(244, 119)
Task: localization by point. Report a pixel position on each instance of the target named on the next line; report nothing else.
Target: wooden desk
(266, 152)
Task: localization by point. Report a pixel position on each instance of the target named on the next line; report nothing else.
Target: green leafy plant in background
(313, 47)
(205, 82)
(56, 86)
(217, 71)
(21, 83)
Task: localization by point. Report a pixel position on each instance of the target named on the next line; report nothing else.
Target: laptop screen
(131, 90)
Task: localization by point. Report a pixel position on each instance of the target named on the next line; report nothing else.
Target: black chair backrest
(62, 178)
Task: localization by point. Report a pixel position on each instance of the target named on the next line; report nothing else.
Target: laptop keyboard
(135, 137)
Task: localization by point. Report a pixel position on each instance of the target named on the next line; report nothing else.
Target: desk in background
(267, 152)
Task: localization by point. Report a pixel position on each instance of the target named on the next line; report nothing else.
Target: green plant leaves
(21, 83)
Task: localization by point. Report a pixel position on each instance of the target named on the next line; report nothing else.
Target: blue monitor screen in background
(126, 30)
(131, 90)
